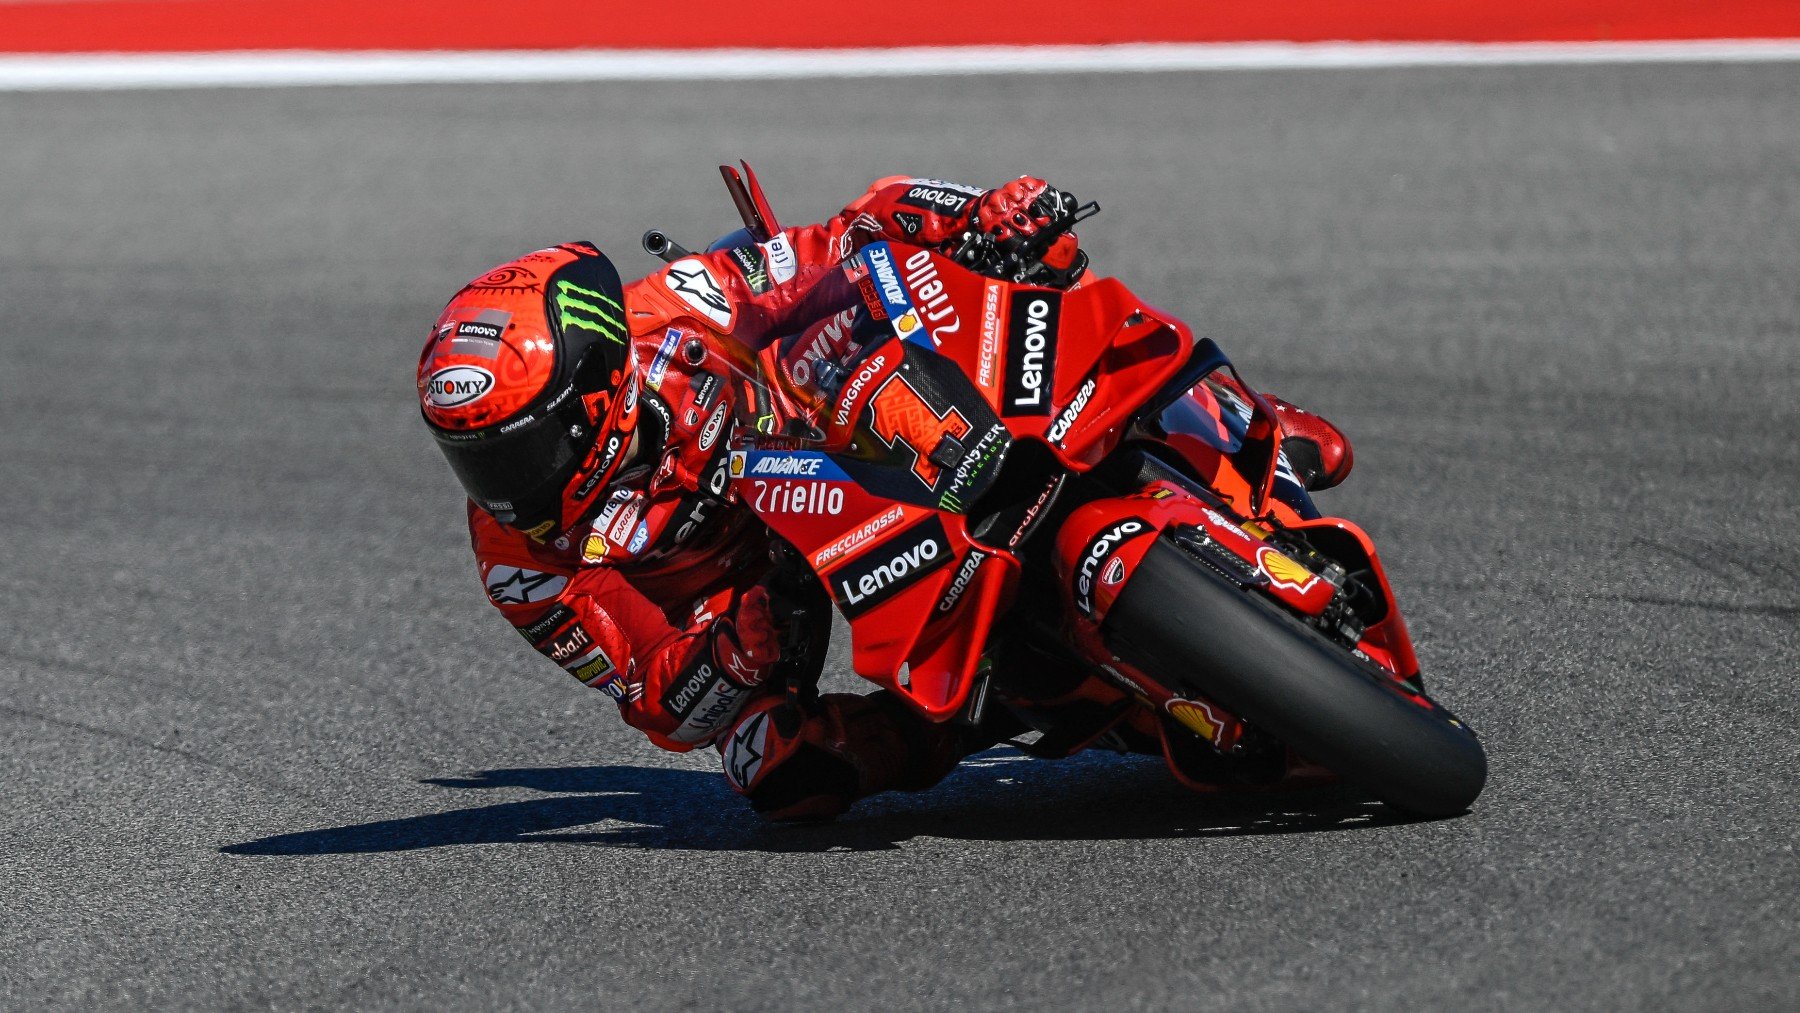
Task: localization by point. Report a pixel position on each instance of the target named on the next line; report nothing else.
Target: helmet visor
(507, 472)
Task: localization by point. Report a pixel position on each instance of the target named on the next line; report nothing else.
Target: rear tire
(1183, 623)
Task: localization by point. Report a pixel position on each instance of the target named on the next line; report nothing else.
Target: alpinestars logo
(744, 753)
(691, 280)
(510, 585)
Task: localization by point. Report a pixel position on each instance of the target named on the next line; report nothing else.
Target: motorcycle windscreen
(1211, 425)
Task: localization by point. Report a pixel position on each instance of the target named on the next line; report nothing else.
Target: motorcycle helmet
(528, 383)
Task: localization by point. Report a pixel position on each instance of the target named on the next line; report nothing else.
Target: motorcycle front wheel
(1180, 620)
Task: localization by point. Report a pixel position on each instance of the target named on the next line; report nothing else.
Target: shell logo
(593, 548)
(1196, 717)
(908, 323)
(1284, 572)
(737, 464)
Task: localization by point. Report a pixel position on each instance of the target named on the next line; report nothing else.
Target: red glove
(747, 643)
(1007, 220)
(1015, 213)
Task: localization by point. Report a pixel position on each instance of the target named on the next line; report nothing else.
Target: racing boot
(848, 748)
(1319, 451)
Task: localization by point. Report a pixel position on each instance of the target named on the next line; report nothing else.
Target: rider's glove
(1016, 212)
(747, 643)
(1013, 215)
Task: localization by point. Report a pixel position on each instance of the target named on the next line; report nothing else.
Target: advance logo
(891, 567)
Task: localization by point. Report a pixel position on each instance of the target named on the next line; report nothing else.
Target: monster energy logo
(971, 467)
(581, 307)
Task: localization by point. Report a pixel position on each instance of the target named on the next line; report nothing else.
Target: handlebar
(659, 245)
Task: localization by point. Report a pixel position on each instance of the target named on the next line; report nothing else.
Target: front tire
(1179, 620)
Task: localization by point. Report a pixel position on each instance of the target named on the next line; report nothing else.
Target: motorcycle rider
(588, 421)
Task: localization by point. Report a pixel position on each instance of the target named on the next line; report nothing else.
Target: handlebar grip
(659, 245)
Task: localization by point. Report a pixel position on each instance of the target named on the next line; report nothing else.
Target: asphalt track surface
(266, 745)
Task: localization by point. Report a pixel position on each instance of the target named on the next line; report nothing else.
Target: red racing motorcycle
(1060, 512)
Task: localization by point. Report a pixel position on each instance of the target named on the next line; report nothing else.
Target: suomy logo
(455, 386)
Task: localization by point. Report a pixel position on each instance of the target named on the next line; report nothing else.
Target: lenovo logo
(1030, 352)
(891, 567)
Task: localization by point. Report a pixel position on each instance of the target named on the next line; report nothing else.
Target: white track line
(105, 71)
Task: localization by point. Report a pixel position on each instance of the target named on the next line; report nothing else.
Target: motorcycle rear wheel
(1180, 620)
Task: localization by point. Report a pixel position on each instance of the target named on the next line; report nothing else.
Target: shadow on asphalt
(995, 796)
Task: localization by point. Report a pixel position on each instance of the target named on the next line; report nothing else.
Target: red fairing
(920, 594)
(881, 559)
(1058, 366)
(1386, 641)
